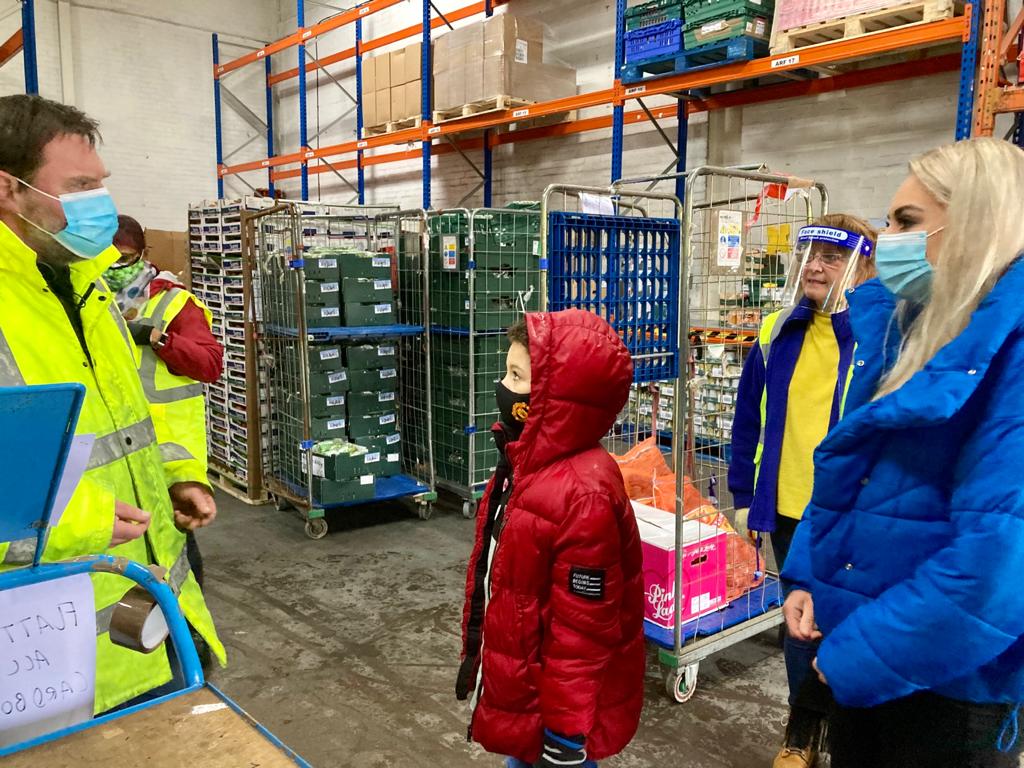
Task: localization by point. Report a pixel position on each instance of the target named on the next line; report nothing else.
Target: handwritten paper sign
(47, 658)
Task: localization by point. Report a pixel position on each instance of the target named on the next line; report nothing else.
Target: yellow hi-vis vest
(38, 345)
(771, 327)
(176, 403)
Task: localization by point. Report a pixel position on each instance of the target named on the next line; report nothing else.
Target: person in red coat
(553, 647)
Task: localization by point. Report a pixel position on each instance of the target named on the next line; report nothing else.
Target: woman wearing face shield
(790, 395)
(909, 562)
(177, 352)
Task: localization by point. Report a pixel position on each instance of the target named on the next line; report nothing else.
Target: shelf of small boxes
(215, 242)
(353, 374)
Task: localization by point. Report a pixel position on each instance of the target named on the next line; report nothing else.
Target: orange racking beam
(745, 97)
(302, 35)
(11, 46)
(380, 42)
(1010, 100)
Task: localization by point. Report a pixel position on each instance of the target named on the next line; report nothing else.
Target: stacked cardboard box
(392, 86)
(500, 56)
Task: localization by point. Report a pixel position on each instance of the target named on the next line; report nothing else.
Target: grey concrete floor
(347, 648)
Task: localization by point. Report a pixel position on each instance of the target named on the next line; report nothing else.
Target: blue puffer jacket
(913, 543)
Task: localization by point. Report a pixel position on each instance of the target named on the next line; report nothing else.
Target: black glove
(467, 678)
(140, 332)
(560, 751)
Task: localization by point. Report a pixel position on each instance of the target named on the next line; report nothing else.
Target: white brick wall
(857, 142)
(144, 70)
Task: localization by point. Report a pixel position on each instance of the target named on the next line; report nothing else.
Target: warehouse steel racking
(809, 71)
(24, 41)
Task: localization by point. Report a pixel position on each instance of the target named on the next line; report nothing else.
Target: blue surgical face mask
(902, 264)
(91, 221)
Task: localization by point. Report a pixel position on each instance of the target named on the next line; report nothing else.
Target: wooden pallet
(392, 126)
(481, 107)
(226, 480)
(861, 24)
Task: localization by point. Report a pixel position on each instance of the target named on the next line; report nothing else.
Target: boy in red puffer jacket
(553, 643)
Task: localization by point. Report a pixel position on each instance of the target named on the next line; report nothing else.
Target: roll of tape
(137, 622)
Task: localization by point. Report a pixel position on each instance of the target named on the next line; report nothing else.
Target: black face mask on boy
(514, 408)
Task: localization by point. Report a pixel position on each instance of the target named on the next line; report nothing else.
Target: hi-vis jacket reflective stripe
(39, 346)
(175, 402)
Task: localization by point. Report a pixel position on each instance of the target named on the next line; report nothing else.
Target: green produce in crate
(370, 403)
(340, 460)
(369, 315)
(372, 356)
(373, 379)
(367, 290)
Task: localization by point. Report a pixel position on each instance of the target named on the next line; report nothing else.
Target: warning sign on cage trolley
(728, 226)
(450, 253)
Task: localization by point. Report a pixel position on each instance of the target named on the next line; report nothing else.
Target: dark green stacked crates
(712, 21)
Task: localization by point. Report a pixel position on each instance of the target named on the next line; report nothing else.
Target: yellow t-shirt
(808, 410)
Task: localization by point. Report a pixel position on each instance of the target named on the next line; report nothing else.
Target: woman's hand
(799, 612)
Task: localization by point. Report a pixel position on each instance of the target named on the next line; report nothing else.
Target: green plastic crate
(374, 266)
(349, 492)
(652, 14)
(328, 406)
(372, 425)
(372, 379)
(700, 12)
(715, 31)
(367, 403)
(367, 290)
(358, 315)
(390, 449)
(372, 356)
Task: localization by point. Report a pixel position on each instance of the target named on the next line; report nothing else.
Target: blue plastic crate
(651, 42)
(626, 270)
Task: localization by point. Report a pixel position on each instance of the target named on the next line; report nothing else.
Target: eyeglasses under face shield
(826, 263)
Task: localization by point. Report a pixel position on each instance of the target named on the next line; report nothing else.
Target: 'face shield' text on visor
(826, 263)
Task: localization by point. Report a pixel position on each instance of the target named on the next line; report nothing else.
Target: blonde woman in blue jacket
(908, 562)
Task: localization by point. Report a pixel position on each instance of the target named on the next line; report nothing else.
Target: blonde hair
(980, 182)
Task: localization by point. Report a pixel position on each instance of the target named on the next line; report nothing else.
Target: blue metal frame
(303, 127)
(425, 74)
(619, 110)
(968, 74)
(28, 46)
(361, 172)
(682, 137)
(218, 126)
(270, 124)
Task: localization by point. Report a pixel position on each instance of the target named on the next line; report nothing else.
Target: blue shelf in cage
(340, 334)
(754, 603)
(625, 269)
(385, 489)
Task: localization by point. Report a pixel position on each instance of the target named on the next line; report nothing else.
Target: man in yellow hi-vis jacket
(59, 323)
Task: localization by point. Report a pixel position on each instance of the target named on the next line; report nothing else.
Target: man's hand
(129, 523)
(194, 506)
(821, 675)
(799, 613)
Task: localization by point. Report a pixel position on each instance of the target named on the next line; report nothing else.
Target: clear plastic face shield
(826, 262)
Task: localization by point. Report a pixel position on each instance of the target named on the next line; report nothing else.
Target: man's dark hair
(518, 334)
(29, 123)
(129, 234)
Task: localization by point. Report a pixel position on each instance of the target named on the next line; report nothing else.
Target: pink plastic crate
(799, 13)
(704, 566)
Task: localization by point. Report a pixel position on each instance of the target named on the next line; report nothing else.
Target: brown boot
(803, 741)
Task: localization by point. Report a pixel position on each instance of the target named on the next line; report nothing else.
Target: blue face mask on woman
(91, 221)
(902, 264)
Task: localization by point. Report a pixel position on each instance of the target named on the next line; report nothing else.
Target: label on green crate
(330, 312)
(329, 288)
(388, 373)
(336, 377)
(328, 263)
(334, 424)
(371, 458)
(382, 285)
(330, 354)
(392, 439)
(380, 262)
(450, 253)
(381, 309)
(318, 466)
(335, 400)
(366, 480)
(385, 351)
(536, 247)
(387, 418)
(393, 457)
(386, 397)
